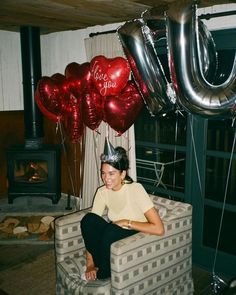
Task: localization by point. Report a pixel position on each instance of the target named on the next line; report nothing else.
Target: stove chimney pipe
(31, 70)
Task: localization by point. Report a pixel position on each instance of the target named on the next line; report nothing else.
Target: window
(161, 142)
(203, 169)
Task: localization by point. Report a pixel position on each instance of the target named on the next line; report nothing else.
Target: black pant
(98, 236)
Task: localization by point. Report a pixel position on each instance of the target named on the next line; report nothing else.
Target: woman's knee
(91, 220)
(88, 219)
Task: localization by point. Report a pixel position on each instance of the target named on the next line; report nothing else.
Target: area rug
(36, 277)
(27, 207)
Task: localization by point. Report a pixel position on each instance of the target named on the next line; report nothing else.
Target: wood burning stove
(34, 172)
(33, 169)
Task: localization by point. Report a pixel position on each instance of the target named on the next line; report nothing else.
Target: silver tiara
(113, 158)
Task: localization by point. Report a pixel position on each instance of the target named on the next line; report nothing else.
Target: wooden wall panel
(11, 132)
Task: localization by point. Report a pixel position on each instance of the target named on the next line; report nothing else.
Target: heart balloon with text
(109, 75)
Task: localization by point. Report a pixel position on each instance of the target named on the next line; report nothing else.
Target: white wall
(217, 23)
(11, 92)
(60, 49)
(57, 51)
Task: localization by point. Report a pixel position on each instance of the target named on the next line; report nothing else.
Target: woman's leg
(98, 236)
(111, 234)
(92, 227)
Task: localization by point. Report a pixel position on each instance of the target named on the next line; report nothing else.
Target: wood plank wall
(12, 132)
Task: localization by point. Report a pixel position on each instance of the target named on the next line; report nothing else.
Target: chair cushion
(162, 210)
(171, 210)
(68, 275)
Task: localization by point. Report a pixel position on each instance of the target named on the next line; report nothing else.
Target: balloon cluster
(88, 94)
(192, 60)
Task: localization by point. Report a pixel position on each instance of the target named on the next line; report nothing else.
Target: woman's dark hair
(122, 164)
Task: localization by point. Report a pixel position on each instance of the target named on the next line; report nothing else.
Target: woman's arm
(154, 224)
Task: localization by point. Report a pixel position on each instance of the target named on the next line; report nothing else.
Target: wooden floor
(203, 281)
(13, 255)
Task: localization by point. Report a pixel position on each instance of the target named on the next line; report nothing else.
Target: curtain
(109, 46)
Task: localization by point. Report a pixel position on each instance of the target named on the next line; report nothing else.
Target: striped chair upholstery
(140, 264)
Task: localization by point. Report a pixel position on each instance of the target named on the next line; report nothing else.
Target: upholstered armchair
(140, 264)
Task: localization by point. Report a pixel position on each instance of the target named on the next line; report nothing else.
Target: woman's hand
(154, 224)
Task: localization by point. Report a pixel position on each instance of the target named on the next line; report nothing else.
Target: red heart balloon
(73, 123)
(58, 78)
(49, 99)
(64, 90)
(72, 69)
(48, 114)
(92, 108)
(109, 75)
(121, 111)
(78, 77)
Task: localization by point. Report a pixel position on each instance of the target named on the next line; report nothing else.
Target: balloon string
(224, 201)
(65, 153)
(178, 113)
(75, 169)
(82, 149)
(95, 140)
(175, 150)
(195, 156)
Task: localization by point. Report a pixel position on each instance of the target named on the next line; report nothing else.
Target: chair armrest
(68, 238)
(128, 252)
(143, 255)
(177, 221)
(132, 260)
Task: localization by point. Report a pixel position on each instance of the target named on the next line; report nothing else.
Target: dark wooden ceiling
(60, 15)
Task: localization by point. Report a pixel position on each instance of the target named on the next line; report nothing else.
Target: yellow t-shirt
(130, 202)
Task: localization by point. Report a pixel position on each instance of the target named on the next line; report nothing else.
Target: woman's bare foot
(91, 273)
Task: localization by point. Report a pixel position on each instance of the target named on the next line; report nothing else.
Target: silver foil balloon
(208, 54)
(137, 42)
(194, 92)
(155, 22)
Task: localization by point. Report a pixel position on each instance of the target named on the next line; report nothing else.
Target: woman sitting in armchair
(130, 210)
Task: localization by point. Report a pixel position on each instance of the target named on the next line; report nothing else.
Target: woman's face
(112, 177)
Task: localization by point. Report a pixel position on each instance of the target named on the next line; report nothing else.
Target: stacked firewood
(22, 227)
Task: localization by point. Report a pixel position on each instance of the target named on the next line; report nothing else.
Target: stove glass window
(30, 170)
